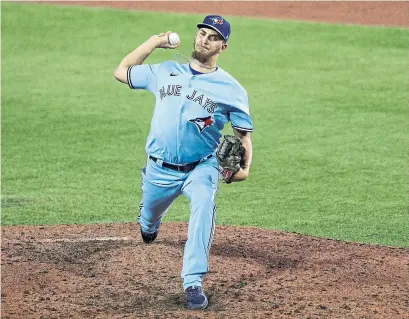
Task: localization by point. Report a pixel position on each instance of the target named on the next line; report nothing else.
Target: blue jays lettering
(201, 99)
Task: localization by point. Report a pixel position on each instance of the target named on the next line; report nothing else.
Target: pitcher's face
(208, 43)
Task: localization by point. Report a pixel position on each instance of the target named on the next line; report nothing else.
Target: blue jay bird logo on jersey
(202, 122)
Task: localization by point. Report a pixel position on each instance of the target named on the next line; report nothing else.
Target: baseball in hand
(173, 38)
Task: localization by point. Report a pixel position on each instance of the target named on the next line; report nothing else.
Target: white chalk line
(83, 240)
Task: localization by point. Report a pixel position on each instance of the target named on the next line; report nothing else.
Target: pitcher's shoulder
(172, 65)
(232, 81)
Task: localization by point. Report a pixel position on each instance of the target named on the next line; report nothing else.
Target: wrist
(240, 175)
(246, 169)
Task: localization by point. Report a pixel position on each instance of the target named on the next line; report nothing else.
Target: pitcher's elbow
(116, 73)
(121, 74)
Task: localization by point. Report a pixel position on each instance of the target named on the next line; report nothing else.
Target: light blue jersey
(190, 110)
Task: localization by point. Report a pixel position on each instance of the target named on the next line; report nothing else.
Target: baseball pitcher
(186, 153)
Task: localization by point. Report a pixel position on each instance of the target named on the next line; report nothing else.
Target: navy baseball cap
(218, 24)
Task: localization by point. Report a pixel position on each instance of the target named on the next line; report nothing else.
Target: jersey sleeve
(240, 115)
(143, 76)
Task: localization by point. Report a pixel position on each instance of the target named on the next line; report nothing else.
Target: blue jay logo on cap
(217, 20)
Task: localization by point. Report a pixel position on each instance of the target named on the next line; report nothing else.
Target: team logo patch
(202, 122)
(217, 20)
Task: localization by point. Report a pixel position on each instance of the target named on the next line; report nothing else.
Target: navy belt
(180, 168)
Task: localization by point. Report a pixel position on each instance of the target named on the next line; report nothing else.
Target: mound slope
(105, 271)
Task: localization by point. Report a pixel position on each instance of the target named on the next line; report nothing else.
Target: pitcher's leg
(200, 188)
(159, 190)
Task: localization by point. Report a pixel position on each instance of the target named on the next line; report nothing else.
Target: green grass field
(329, 103)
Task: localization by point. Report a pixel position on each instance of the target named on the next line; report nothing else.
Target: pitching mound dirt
(105, 271)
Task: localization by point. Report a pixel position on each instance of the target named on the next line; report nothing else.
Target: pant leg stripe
(212, 231)
(141, 204)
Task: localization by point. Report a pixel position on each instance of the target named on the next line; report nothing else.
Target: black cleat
(195, 298)
(149, 238)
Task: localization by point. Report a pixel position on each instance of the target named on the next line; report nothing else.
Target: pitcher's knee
(205, 203)
(202, 206)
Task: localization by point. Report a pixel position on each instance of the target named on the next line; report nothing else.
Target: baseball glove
(230, 155)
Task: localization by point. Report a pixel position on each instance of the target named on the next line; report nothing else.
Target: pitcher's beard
(201, 56)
